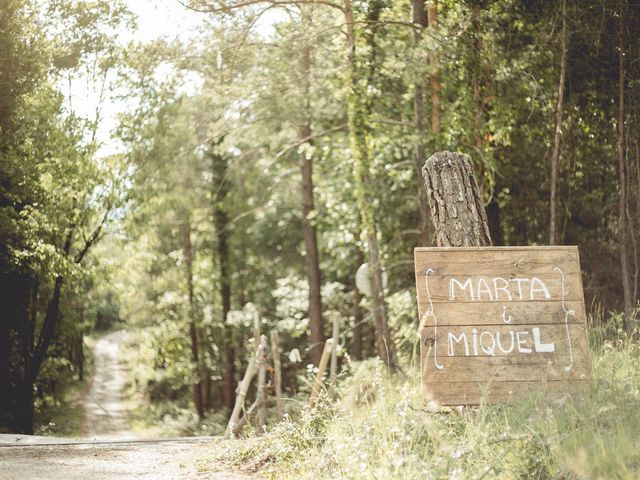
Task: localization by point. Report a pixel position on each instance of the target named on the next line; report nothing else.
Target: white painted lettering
(539, 346)
(489, 350)
(522, 342)
(541, 288)
(504, 288)
(463, 286)
(452, 338)
(483, 287)
(519, 281)
(513, 343)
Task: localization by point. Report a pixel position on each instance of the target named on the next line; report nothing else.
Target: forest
(252, 170)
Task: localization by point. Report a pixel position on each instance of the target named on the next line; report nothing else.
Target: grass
(377, 427)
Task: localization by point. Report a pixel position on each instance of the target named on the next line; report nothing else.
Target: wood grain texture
(473, 393)
(540, 312)
(502, 321)
(499, 338)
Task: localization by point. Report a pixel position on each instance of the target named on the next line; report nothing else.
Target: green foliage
(379, 428)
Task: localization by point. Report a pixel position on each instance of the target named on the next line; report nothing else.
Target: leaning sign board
(498, 322)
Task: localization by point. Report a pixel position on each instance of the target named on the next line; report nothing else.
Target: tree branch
(225, 8)
(93, 238)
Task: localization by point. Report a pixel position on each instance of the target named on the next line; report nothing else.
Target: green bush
(377, 426)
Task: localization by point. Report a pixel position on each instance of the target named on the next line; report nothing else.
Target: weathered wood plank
(506, 369)
(541, 312)
(498, 289)
(474, 261)
(472, 393)
(502, 321)
(462, 341)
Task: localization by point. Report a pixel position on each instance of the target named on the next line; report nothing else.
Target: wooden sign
(497, 322)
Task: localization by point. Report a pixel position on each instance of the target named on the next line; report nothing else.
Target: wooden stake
(334, 351)
(277, 375)
(245, 418)
(256, 330)
(261, 395)
(322, 367)
(242, 393)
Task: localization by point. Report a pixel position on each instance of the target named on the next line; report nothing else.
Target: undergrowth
(376, 426)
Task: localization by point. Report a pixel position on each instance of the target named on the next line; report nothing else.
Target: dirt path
(168, 460)
(105, 414)
(104, 455)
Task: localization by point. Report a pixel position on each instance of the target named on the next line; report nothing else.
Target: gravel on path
(162, 460)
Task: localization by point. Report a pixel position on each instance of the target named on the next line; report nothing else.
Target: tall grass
(376, 426)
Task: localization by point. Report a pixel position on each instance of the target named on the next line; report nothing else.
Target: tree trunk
(312, 257)
(456, 204)
(357, 112)
(358, 313)
(435, 77)
(193, 333)
(637, 217)
(622, 174)
(555, 156)
(220, 192)
(420, 18)
(277, 373)
(261, 391)
(16, 384)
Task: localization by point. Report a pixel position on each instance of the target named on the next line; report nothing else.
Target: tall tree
(358, 120)
(420, 18)
(555, 155)
(187, 252)
(623, 225)
(311, 254)
(220, 183)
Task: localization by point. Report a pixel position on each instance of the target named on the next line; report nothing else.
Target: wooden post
(456, 205)
(322, 367)
(256, 330)
(242, 393)
(334, 351)
(261, 395)
(457, 208)
(277, 373)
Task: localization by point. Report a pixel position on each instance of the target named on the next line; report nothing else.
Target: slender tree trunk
(435, 77)
(261, 390)
(220, 192)
(193, 333)
(420, 18)
(357, 112)
(312, 257)
(358, 313)
(277, 374)
(637, 217)
(555, 156)
(622, 174)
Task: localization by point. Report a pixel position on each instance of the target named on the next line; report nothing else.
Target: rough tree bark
(622, 174)
(456, 204)
(555, 156)
(195, 360)
(312, 257)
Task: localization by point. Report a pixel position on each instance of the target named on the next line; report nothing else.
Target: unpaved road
(103, 454)
(166, 460)
(105, 414)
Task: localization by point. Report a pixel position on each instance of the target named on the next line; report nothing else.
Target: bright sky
(166, 19)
